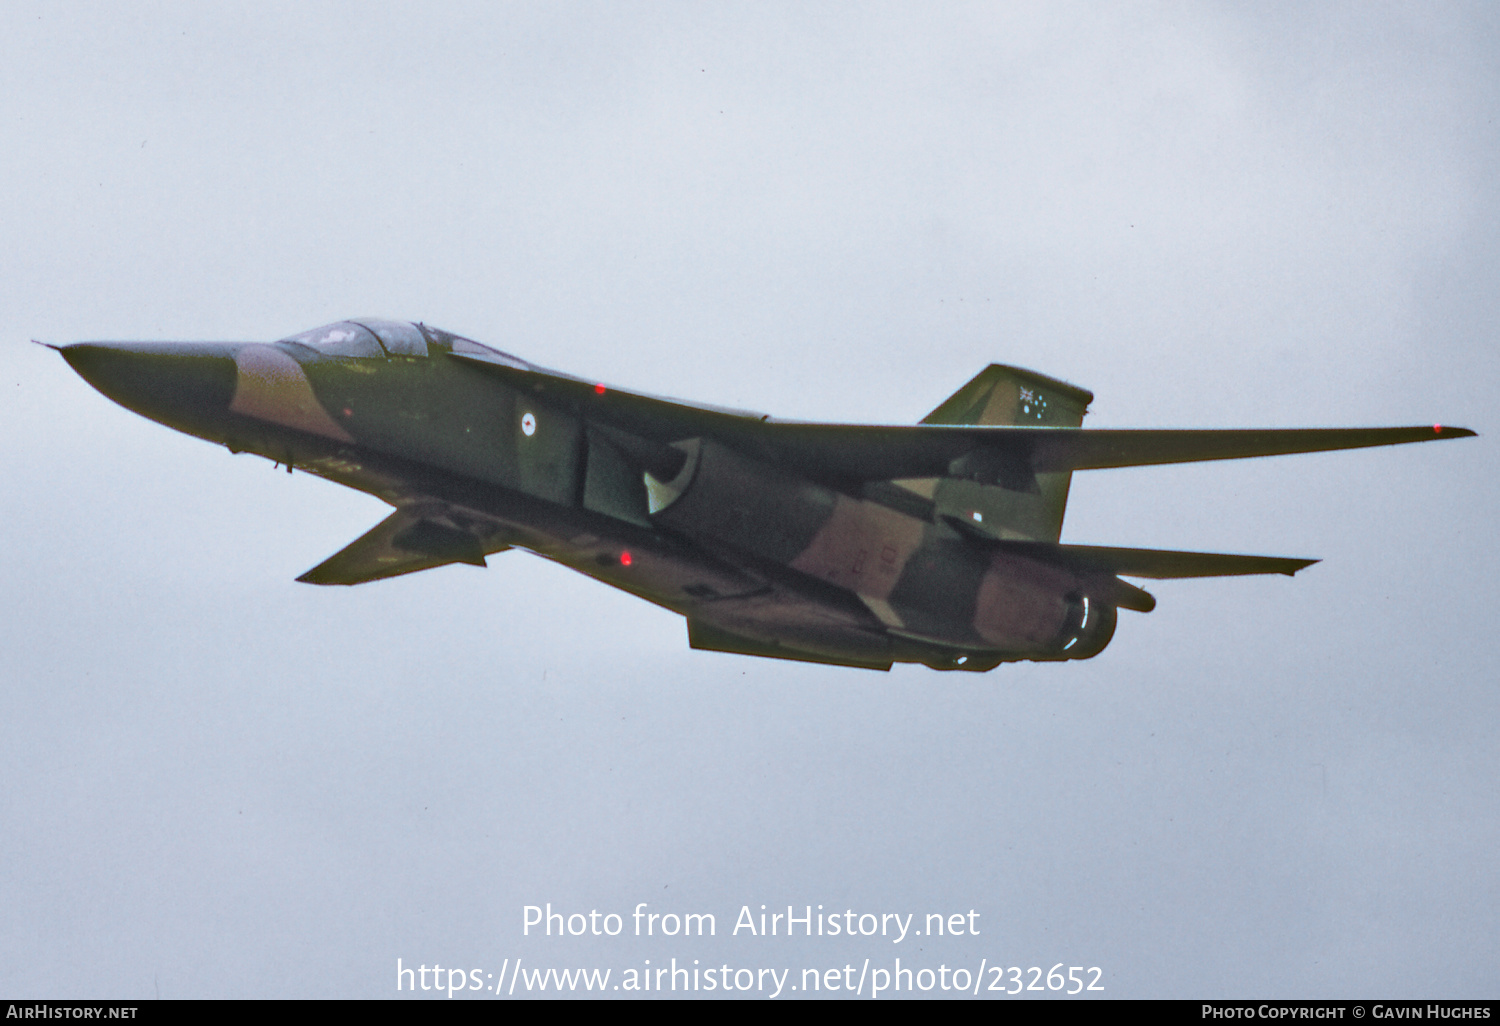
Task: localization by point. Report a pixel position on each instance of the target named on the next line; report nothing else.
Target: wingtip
(1302, 564)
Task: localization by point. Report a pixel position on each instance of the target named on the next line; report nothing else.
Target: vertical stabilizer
(1011, 396)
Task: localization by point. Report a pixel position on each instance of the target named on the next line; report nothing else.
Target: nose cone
(184, 385)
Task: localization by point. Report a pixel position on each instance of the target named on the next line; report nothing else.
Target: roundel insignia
(528, 425)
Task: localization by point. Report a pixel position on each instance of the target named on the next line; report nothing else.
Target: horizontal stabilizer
(1159, 564)
(413, 538)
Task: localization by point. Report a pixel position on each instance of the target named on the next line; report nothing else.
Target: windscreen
(342, 339)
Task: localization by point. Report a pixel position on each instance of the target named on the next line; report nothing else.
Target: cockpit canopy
(367, 337)
(370, 337)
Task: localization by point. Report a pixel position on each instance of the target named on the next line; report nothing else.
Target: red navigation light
(624, 556)
(599, 388)
(1437, 429)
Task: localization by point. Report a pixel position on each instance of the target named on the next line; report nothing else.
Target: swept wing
(1009, 456)
(415, 537)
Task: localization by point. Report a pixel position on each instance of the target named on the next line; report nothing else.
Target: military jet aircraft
(854, 545)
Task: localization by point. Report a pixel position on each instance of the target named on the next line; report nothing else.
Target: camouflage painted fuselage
(932, 544)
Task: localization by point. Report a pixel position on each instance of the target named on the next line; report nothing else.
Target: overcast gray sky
(219, 782)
